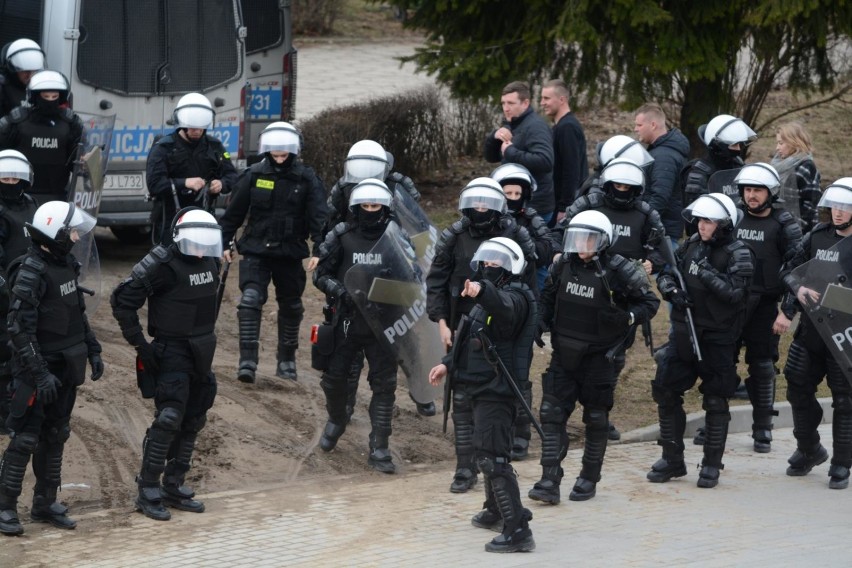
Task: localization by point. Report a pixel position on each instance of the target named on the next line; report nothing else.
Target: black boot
(841, 460)
(47, 510)
(352, 381)
(466, 472)
(761, 391)
(13, 467)
(716, 428)
(671, 464)
(516, 535)
(554, 446)
(809, 452)
(523, 434)
(288, 342)
(698, 439)
(424, 408)
(613, 433)
(155, 449)
(597, 427)
(335, 404)
(249, 325)
(381, 419)
(489, 517)
(175, 493)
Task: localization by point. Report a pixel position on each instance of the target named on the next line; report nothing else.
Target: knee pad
(169, 418)
(715, 404)
(461, 402)
(24, 443)
(763, 369)
(842, 403)
(252, 299)
(195, 424)
(382, 385)
(551, 411)
(290, 309)
(666, 398)
(59, 434)
(595, 418)
(798, 367)
(486, 465)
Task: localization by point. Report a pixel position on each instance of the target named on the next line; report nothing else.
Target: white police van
(136, 58)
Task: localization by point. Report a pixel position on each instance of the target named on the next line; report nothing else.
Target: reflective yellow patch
(227, 156)
(265, 184)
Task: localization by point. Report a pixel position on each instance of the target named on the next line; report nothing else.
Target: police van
(135, 58)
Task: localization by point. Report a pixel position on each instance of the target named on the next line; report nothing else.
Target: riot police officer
(283, 201)
(19, 61)
(187, 167)
(809, 359)
(371, 206)
(708, 289)
(590, 303)
(52, 341)
(179, 282)
(775, 237)
(618, 146)
(505, 313)
(16, 209)
(727, 139)
(47, 132)
(484, 216)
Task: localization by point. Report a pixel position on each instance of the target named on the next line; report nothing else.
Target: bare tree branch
(836, 95)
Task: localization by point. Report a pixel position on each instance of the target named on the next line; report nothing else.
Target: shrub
(469, 121)
(315, 17)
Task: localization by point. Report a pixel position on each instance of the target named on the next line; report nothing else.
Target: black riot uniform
(345, 246)
(282, 205)
(717, 275)
(775, 239)
(450, 268)
(506, 311)
(52, 342)
(49, 137)
(12, 91)
(180, 290)
(590, 308)
(808, 362)
(173, 159)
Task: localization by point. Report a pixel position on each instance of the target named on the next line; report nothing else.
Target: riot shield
(87, 183)
(788, 194)
(829, 306)
(423, 234)
(389, 289)
(722, 181)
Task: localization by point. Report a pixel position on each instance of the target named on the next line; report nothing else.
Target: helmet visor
(29, 59)
(837, 197)
(370, 193)
(583, 239)
(279, 140)
(359, 168)
(195, 116)
(199, 239)
(493, 252)
(482, 199)
(13, 167)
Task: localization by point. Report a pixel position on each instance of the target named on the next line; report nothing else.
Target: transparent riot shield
(389, 289)
(421, 231)
(829, 299)
(85, 191)
(789, 194)
(723, 182)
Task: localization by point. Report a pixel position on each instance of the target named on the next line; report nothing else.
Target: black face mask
(48, 108)
(515, 205)
(494, 274)
(482, 220)
(12, 191)
(372, 223)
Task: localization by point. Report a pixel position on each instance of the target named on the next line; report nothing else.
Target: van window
(20, 19)
(262, 19)
(148, 47)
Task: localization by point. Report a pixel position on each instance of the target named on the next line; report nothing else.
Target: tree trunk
(702, 100)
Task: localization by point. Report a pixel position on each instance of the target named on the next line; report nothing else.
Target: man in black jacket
(525, 139)
(670, 150)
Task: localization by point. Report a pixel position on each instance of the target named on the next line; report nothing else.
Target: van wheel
(132, 235)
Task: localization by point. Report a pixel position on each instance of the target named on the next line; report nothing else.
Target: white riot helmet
(726, 130)
(194, 111)
(47, 81)
(371, 191)
(24, 55)
(716, 207)
(483, 202)
(838, 195)
(625, 172)
(588, 232)
(621, 146)
(515, 174)
(502, 251)
(366, 159)
(280, 137)
(13, 164)
(53, 224)
(759, 174)
(196, 233)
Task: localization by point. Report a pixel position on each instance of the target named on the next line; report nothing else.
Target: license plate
(133, 182)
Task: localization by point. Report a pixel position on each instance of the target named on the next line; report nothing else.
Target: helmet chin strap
(843, 226)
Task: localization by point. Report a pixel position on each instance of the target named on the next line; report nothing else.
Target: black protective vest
(16, 214)
(60, 316)
(276, 217)
(709, 311)
(47, 148)
(823, 237)
(763, 235)
(515, 352)
(188, 309)
(627, 226)
(581, 296)
(355, 245)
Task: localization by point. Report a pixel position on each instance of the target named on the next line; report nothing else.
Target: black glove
(614, 317)
(97, 365)
(679, 299)
(47, 385)
(706, 270)
(542, 329)
(149, 360)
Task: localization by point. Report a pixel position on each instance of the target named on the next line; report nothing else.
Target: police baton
(495, 360)
(666, 249)
(220, 292)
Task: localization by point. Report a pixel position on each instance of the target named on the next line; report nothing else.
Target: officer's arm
(407, 184)
(508, 309)
(228, 174)
(157, 173)
(653, 233)
(633, 283)
(317, 213)
(438, 279)
(544, 243)
(27, 291)
(547, 298)
(8, 134)
(146, 279)
(330, 257)
(237, 209)
(731, 286)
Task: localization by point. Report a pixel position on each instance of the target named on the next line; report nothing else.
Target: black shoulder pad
(166, 140)
(459, 226)
(68, 115)
(741, 261)
(784, 217)
(703, 167)
(596, 199)
(341, 228)
(19, 114)
(34, 263)
(631, 275)
(643, 207)
(580, 204)
(735, 245)
(529, 212)
(27, 279)
(158, 255)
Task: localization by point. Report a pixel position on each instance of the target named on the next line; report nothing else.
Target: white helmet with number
(502, 251)
(366, 159)
(13, 164)
(280, 137)
(727, 130)
(24, 55)
(483, 193)
(838, 195)
(621, 146)
(196, 233)
(371, 191)
(716, 207)
(759, 174)
(588, 231)
(194, 111)
(54, 222)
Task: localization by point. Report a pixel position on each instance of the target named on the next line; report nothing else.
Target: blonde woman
(799, 175)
